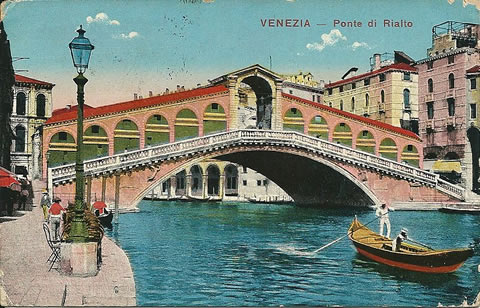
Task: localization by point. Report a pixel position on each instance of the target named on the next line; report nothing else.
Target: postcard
(240, 153)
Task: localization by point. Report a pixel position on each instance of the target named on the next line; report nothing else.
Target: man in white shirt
(397, 242)
(382, 212)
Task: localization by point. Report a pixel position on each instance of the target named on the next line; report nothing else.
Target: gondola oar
(344, 236)
(414, 241)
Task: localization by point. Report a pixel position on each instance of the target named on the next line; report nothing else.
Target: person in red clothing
(55, 213)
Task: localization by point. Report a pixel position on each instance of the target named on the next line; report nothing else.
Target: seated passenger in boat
(397, 242)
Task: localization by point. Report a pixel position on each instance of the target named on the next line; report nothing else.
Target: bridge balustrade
(285, 138)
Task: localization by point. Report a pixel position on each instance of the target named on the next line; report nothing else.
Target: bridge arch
(181, 183)
(388, 149)
(231, 180)
(318, 127)
(95, 141)
(126, 136)
(311, 180)
(186, 124)
(214, 119)
(366, 141)
(342, 134)
(62, 149)
(293, 120)
(157, 130)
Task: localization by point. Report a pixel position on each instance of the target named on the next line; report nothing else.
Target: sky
(150, 45)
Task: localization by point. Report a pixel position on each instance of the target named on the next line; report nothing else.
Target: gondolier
(382, 212)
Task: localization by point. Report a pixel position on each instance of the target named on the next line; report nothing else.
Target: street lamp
(80, 49)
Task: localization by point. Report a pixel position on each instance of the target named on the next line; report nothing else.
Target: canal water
(243, 254)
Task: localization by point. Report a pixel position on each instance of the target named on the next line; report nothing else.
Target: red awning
(8, 180)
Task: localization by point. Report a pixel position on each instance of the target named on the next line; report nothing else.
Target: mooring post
(117, 195)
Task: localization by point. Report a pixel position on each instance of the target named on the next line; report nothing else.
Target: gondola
(459, 209)
(410, 257)
(104, 215)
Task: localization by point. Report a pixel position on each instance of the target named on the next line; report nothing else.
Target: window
(214, 106)
(353, 104)
(354, 85)
(340, 89)
(429, 65)
(430, 85)
(290, 91)
(20, 140)
(451, 59)
(473, 111)
(244, 169)
(21, 103)
(381, 77)
(244, 182)
(158, 117)
(406, 99)
(366, 82)
(406, 76)
(451, 106)
(265, 182)
(62, 136)
(318, 98)
(473, 84)
(367, 100)
(95, 129)
(41, 105)
(409, 147)
(451, 81)
(294, 110)
(341, 104)
(365, 133)
(430, 111)
(382, 96)
(330, 104)
(342, 124)
(313, 97)
(149, 138)
(330, 91)
(259, 182)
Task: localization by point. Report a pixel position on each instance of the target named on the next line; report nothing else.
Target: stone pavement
(27, 281)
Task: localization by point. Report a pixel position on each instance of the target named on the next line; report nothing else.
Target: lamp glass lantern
(81, 48)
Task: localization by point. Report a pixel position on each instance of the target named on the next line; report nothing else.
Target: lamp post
(80, 49)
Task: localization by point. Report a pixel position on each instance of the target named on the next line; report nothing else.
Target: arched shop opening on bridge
(256, 106)
(61, 149)
(126, 136)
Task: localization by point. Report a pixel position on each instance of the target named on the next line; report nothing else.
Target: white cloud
(103, 18)
(476, 3)
(129, 36)
(329, 39)
(356, 45)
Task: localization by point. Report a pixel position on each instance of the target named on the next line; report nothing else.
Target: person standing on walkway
(45, 203)
(382, 212)
(55, 212)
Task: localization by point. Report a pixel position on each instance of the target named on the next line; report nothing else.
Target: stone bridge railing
(154, 155)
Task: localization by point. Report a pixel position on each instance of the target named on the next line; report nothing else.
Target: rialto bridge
(317, 154)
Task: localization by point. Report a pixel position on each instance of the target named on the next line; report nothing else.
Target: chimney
(68, 107)
(199, 84)
(135, 97)
(178, 88)
(321, 84)
(167, 91)
(377, 60)
(140, 97)
(150, 93)
(182, 89)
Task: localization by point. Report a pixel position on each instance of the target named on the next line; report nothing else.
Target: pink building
(444, 110)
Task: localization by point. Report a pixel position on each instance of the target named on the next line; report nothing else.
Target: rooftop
(392, 67)
(28, 80)
(71, 114)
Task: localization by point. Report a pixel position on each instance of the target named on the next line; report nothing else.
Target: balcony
(450, 123)
(450, 93)
(429, 97)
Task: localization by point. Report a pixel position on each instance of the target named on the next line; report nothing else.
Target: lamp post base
(79, 259)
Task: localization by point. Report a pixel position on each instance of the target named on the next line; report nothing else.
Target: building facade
(32, 106)
(388, 93)
(447, 102)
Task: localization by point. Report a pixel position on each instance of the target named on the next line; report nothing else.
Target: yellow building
(388, 93)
